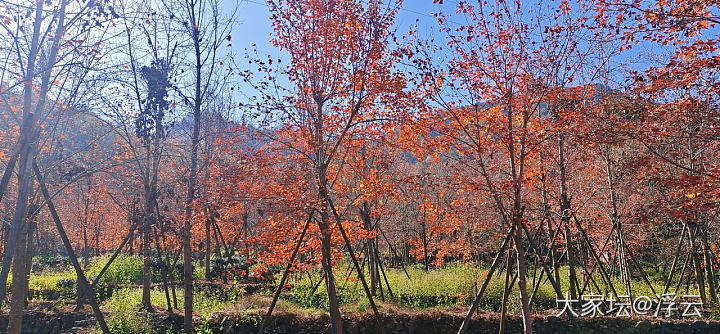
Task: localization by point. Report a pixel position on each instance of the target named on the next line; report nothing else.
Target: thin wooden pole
(506, 292)
(640, 268)
(602, 250)
(700, 282)
(163, 272)
(338, 222)
(682, 272)
(554, 284)
(536, 285)
(107, 265)
(675, 258)
(382, 271)
(264, 324)
(89, 292)
(468, 316)
(393, 250)
(599, 263)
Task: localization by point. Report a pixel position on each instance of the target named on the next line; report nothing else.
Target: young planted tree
(673, 116)
(49, 64)
(487, 108)
(341, 69)
(205, 30)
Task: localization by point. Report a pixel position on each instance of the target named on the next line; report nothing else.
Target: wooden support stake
(285, 275)
(338, 222)
(163, 272)
(604, 273)
(394, 252)
(89, 292)
(675, 258)
(468, 316)
(382, 271)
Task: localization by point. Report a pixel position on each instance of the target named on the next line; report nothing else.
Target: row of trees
(91, 92)
(537, 129)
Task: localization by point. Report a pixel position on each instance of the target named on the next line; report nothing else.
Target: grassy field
(450, 288)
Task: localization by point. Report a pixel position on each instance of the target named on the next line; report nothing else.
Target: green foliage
(123, 307)
(452, 285)
(449, 286)
(125, 269)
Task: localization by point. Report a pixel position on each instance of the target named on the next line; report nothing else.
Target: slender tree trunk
(361, 276)
(19, 285)
(570, 258)
(85, 254)
(697, 264)
(86, 215)
(370, 250)
(29, 252)
(147, 269)
(522, 278)
(335, 320)
(207, 249)
(425, 246)
(27, 148)
(163, 272)
(565, 210)
(195, 142)
(709, 271)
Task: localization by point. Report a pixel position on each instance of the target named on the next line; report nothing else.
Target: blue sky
(253, 27)
(253, 21)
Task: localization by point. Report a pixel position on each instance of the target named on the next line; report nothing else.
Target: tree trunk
(506, 294)
(207, 249)
(195, 142)
(425, 246)
(565, 220)
(147, 269)
(570, 257)
(335, 320)
(21, 277)
(488, 277)
(370, 250)
(697, 264)
(522, 277)
(27, 148)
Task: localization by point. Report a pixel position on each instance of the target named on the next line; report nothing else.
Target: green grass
(124, 305)
(124, 270)
(452, 285)
(445, 288)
